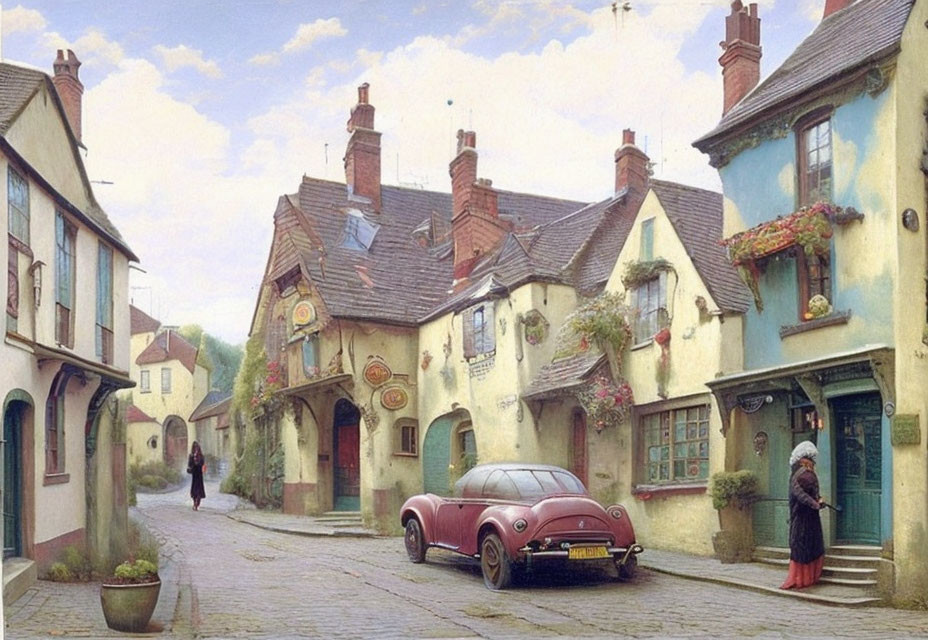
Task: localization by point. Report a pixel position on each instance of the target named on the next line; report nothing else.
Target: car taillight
(615, 512)
(520, 525)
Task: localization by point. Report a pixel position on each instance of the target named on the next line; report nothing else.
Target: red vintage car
(517, 514)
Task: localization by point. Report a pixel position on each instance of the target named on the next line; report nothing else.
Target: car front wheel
(415, 542)
(627, 571)
(495, 564)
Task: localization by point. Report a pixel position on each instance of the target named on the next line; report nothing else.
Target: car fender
(623, 527)
(423, 508)
(500, 519)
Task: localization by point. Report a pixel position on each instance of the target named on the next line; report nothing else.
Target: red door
(175, 444)
(578, 464)
(347, 467)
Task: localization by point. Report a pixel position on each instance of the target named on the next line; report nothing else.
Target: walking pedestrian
(806, 542)
(195, 465)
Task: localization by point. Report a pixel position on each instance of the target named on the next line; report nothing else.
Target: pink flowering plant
(272, 383)
(606, 403)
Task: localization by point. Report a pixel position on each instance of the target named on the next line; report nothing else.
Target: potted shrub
(129, 596)
(733, 493)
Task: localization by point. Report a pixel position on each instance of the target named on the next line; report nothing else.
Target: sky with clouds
(198, 114)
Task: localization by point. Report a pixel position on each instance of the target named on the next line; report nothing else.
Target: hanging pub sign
(376, 372)
(394, 398)
(303, 314)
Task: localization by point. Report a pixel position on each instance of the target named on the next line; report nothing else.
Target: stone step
(864, 562)
(18, 575)
(856, 550)
(850, 582)
(849, 572)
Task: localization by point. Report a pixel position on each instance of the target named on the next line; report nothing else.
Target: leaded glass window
(18, 205)
(676, 445)
(815, 163)
(650, 303)
(104, 327)
(65, 235)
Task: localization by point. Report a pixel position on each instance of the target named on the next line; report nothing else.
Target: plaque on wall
(376, 372)
(304, 313)
(394, 398)
(905, 429)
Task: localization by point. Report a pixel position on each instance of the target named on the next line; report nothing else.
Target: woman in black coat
(195, 464)
(806, 542)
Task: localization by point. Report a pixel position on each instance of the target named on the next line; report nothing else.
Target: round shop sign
(394, 398)
(304, 313)
(376, 372)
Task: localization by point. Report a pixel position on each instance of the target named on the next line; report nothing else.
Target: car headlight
(520, 525)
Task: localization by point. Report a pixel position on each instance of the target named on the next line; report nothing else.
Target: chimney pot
(831, 6)
(742, 52)
(69, 88)
(628, 136)
(362, 156)
(631, 166)
(363, 93)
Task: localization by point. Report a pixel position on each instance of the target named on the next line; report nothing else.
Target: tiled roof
(163, 349)
(17, 86)
(214, 403)
(864, 32)
(696, 215)
(134, 414)
(375, 284)
(141, 322)
(563, 375)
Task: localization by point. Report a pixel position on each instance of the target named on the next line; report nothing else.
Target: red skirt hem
(803, 575)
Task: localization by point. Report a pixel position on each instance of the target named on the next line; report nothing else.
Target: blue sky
(201, 113)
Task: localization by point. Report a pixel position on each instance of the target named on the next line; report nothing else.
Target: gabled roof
(17, 87)
(375, 284)
(214, 403)
(141, 322)
(134, 414)
(696, 215)
(169, 345)
(864, 32)
(564, 375)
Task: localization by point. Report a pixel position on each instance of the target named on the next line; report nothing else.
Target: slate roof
(214, 403)
(162, 350)
(17, 86)
(375, 284)
(141, 322)
(562, 376)
(864, 32)
(134, 414)
(696, 215)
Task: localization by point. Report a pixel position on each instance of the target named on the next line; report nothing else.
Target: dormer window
(359, 231)
(815, 162)
(286, 283)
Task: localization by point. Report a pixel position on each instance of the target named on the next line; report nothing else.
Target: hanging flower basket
(809, 228)
(606, 403)
(639, 272)
(602, 322)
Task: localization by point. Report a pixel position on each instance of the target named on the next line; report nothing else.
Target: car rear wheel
(415, 542)
(628, 570)
(495, 563)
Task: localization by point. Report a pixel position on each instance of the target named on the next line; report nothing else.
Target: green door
(12, 480)
(436, 456)
(859, 460)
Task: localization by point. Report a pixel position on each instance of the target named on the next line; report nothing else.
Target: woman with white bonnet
(806, 543)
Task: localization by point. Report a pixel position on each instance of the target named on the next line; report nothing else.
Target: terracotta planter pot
(128, 607)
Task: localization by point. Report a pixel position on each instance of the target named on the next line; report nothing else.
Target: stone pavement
(298, 525)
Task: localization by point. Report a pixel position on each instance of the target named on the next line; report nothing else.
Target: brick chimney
(631, 166)
(362, 156)
(741, 60)
(69, 88)
(835, 5)
(475, 224)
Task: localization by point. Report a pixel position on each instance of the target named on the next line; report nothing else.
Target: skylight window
(359, 231)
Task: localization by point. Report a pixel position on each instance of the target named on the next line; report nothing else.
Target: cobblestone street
(234, 580)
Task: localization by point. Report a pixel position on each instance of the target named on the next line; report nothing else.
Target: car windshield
(529, 484)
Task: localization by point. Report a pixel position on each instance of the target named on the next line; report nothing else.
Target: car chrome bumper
(617, 553)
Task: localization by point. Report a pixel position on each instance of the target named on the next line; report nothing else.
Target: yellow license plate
(587, 553)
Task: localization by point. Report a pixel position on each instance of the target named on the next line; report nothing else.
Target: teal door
(436, 456)
(12, 480)
(859, 460)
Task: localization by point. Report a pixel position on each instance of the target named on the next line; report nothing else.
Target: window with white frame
(165, 380)
(649, 301)
(144, 381)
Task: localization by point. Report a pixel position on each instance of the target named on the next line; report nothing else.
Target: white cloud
(181, 56)
(812, 9)
(21, 19)
(93, 48)
(264, 59)
(308, 33)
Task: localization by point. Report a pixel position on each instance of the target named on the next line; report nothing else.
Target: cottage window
(104, 328)
(479, 337)
(18, 205)
(55, 423)
(359, 231)
(647, 240)
(275, 338)
(144, 381)
(65, 237)
(288, 281)
(814, 279)
(815, 162)
(407, 434)
(310, 350)
(676, 445)
(165, 380)
(649, 300)
(466, 447)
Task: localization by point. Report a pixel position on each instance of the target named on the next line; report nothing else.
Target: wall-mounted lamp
(35, 270)
(910, 219)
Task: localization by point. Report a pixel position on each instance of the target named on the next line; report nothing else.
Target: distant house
(67, 333)
(823, 168)
(211, 427)
(171, 383)
(143, 437)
